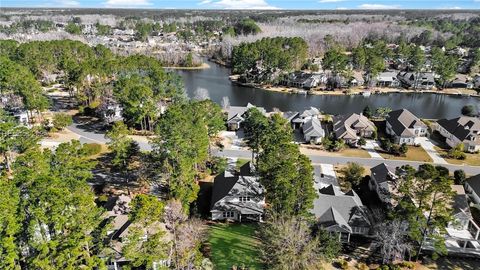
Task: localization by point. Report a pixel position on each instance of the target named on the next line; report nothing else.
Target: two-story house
(384, 181)
(458, 130)
(405, 127)
(238, 196)
(341, 213)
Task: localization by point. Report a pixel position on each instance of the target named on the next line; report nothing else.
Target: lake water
(215, 81)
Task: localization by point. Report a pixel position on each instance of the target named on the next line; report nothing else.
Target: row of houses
(391, 79)
(239, 196)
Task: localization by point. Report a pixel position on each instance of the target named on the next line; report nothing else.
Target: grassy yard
(472, 159)
(414, 153)
(234, 244)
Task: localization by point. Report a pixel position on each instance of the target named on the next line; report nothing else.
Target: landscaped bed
(234, 244)
(471, 159)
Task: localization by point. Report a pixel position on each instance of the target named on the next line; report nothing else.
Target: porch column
(348, 241)
(465, 244)
(476, 235)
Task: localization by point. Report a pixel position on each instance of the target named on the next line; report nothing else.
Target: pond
(425, 105)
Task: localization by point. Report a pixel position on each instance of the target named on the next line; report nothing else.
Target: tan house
(351, 127)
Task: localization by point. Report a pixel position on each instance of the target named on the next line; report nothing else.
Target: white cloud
(239, 4)
(67, 3)
(378, 6)
(330, 1)
(127, 3)
(453, 7)
(341, 8)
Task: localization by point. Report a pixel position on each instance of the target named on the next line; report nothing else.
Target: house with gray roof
(236, 115)
(405, 127)
(341, 213)
(384, 181)
(301, 118)
(323, 176)
(416, 80)
(387, 79)
(458, 130)
(238, 196)
(313, 131)
(472, 188)
(351, 127)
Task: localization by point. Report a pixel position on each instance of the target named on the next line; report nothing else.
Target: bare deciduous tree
(201, 94)
(225, 103)
(392, 241)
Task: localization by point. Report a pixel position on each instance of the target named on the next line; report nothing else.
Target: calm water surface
(215, 80)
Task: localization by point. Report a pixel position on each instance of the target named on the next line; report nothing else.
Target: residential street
(93, 136)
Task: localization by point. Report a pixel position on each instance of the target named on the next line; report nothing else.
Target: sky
(249, 4)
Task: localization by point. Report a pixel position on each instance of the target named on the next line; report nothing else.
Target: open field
(234, 244)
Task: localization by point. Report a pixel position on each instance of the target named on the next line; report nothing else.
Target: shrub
(92, 149)
(457, 152)
(362, 141)
(362, 266)
(62, 120)
(409, 265)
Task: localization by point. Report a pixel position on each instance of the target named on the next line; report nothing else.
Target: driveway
(428, 146)
(370, 147)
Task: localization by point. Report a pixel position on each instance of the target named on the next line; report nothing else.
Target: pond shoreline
(354, 90)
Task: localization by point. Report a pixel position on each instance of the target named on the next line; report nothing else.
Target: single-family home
(384, 181)
(351, 127)
(290, 116)
(238, 196)
(472, 188)
(236, 115)
(341, 213)
(324, 175)
(304, 80)
(299, 120)
(458, 130)
(405, 127)
(387, 79)
(416, 80)
(313, 131)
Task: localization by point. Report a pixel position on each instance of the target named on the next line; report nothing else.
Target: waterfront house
(458, 130)
(313, 131)
(290, 116)
(238, 196)
(304, 80)
(236, 115)
(405, 127)
(472, 188)
(416, 80)
(384, 180)
(301, 118)
(387, 79)
(351, 127)
(341, 213)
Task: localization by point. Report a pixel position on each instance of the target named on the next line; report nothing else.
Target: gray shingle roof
(382, 173)
(345, 126)
(461, 127)
(402, 121)
(474, 183)
(313, 128)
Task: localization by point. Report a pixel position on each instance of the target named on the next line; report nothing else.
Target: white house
(462, 129)
(405, 127)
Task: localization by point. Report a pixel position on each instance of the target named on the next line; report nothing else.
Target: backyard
(234, 245)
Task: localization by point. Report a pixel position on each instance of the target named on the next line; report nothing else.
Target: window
(228, 214)
(245, 199)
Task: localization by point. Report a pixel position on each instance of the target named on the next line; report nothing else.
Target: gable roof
(335, 207)
(239, 111)
(382, 173)
(402, 121)
(344, 126)
(242, 183)
(474, 183)
(312, 111)
(313, 127)
(460, 204)
(461, 127)
(289, 115)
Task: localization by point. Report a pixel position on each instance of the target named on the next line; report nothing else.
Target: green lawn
(234, 244)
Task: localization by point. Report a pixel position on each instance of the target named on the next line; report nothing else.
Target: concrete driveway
(370, 147)
(428, 146)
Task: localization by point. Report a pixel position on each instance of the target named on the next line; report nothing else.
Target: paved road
(370, 162)
(98, 137)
